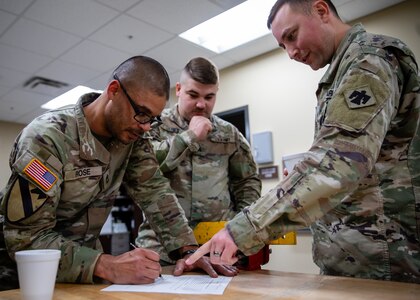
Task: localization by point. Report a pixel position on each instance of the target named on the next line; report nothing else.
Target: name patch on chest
(83, 172)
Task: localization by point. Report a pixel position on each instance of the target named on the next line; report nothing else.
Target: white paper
(185, 284)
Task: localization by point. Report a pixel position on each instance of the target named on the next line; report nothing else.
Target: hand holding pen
(135, 247)
(138, 266)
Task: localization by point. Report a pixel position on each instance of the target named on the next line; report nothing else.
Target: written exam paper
(185, 284)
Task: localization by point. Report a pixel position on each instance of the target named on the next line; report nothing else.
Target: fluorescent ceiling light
(69, 97)
(234, 27)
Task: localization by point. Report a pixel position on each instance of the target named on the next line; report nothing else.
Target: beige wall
(8, 133)
(280, 94)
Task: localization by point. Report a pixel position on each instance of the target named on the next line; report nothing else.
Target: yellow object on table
(205, 230)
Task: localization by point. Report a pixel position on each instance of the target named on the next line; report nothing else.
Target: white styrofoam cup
(37, 271)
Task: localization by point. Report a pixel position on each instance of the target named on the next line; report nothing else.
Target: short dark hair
(201, 70)
(304, 6)
(143, 72)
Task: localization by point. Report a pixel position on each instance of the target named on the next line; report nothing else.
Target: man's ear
(177, 88)
(112, 88)
(321, 9)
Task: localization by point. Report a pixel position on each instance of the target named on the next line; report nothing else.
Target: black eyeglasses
(140, 116)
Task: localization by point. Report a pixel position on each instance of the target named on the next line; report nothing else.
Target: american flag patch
(41, 174)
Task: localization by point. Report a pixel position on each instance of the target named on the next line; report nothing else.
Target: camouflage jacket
(63, 185)
(359, 183)
(213, 179)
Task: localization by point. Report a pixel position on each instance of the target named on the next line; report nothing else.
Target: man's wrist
(190, 139)
(100, 266)
(187, 250)
(106, 269)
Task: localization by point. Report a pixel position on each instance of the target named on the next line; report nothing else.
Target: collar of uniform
(90, 147)
(341, 50)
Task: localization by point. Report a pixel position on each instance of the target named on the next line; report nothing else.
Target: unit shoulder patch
(24, 199)
(359, 97)
(357, 101)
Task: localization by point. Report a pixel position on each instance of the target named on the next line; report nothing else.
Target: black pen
(134, 246)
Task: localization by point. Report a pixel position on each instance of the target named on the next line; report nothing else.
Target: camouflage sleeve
(30, 204)
(344, 152)
(244, 181)
(151, 191)
(171, 150)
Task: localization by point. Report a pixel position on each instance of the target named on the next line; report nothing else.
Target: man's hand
(134, 267)
(204, 264)
(221, 247)
(201, 126)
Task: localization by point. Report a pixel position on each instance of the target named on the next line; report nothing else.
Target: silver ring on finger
(217, 253)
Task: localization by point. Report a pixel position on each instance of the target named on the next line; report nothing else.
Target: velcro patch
(24, 199)
(360, 97)
(83, 172)
(372, 92)
(41, 174)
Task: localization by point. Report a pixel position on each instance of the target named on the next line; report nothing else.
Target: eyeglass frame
(137, 111)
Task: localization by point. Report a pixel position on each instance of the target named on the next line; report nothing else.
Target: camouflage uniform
(359, 183)
(67, 205)
(213, 179)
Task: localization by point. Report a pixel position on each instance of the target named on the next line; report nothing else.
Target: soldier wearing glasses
(67, 168)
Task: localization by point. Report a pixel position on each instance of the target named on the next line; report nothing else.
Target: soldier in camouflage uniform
(358, 186)
(208, 161)
(67, 167)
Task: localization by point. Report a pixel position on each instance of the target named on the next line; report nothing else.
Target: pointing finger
(203, 250)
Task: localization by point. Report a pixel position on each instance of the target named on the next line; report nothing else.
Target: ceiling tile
(4, 90)
(5, 20)
(130, 35)
(174, 16)
(21, 60)
(257, 47)
(7, 115)
(338, 3)
(39, 38)
(14, 6)
(21, 97)
(351, 10)
(174, 77)
(94, 56)
(68, 73)
(177, 52)
(100, 82)
(222, 61)
(12, 78)
(26, 118)
(227, 4)
(19, 102)
(120, 5)
(79, 17)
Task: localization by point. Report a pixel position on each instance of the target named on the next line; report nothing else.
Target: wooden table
(256, 285)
